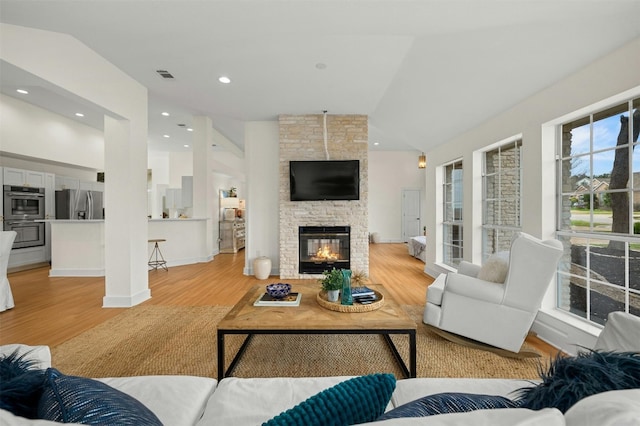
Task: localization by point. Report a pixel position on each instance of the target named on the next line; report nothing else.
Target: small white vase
(262, 267)
(332, 295)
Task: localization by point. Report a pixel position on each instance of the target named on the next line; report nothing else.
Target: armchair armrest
(475, 288)
(468, 268)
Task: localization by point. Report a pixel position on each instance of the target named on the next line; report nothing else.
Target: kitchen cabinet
(66, 182)
(91, 186)
(19, 177)
(232, 236)
(187, 191)
(173, 198)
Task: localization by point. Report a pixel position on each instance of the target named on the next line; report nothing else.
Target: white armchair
(6, 297)
(495, 313)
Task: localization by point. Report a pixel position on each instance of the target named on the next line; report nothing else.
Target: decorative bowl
(279, 290)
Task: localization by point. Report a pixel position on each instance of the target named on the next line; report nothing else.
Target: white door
(410, 213)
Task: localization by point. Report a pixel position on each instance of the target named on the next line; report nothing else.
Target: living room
(534, 119)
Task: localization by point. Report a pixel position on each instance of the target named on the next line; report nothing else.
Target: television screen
(324, 180)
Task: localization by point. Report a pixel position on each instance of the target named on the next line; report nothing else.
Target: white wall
(607, 77)
(262, 164)
(34, 132)
(389, 173)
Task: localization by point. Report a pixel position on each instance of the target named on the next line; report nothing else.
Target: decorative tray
(356, 307)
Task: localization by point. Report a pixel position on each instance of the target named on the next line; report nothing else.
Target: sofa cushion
(41, 355)
(445, 403)
(20, 384)
(71, 399)
(510, 417)
(621, 333)
(570, 379)
(613, 408)
(175, 400)
(495, 268)
(358, 400)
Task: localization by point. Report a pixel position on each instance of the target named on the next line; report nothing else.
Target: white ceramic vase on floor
(262, 267)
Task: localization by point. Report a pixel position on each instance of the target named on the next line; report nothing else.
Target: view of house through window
(501, 183)
(599, 213)
(452, 224)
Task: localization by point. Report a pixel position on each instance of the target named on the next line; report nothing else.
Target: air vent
(182, 125)
(164, 74)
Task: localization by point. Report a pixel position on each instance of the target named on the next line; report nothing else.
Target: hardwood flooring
(49, 311)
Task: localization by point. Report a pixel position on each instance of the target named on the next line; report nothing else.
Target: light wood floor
(49, 311)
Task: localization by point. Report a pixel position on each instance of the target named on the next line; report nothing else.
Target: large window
(452, 214)
(599, 213)
(501, 203)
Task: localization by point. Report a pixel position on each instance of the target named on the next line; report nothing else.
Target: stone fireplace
(302, 138)
(322, 248)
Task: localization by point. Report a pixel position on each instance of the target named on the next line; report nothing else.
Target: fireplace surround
(323, 248)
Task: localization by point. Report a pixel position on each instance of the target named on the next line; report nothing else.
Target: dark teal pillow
(445, 403)
(71, 399)
(569, 379)
(358, 400)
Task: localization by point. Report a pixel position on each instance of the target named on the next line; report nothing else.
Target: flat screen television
(324, 180)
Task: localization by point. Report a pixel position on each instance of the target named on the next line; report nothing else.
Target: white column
(203, 190)
(126, 234)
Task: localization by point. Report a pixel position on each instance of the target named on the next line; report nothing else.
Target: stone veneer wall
(302, 138)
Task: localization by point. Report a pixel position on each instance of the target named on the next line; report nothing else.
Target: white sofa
(187, 400)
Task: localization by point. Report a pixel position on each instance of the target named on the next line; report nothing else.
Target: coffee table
(311, 318)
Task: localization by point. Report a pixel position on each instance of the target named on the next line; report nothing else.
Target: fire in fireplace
(323, 248)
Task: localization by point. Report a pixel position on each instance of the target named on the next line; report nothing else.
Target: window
(501, 192)
(599, 213)
(452, 214)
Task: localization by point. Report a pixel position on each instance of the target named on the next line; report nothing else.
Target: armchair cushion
(621, 333)
(468, 268)
(495, 268)
(474, 288)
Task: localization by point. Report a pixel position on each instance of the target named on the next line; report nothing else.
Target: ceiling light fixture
(189, 129)
(24, 92)
(166, 136)
(376, 143)
(186, 146)
(166, 114)
(79, 114)
(224, 79)
(422, 161)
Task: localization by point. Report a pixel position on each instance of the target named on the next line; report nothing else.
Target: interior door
(410, 213)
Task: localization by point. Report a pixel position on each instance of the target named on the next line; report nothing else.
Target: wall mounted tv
(324, 180)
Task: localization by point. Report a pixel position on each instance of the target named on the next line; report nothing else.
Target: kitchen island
(77, 246)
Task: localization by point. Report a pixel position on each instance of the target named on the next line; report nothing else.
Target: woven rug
(147, 340)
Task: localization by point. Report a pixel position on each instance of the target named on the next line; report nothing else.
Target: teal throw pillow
(71, 399)
(358, 400)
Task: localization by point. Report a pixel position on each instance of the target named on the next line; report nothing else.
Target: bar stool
(156, 259)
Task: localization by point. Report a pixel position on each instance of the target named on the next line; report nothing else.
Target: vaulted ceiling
(424, 71)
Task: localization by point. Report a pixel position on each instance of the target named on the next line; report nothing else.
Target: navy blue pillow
(358, 400)
(445, 403)
(21, 385)
(70, 399)
(569, 379)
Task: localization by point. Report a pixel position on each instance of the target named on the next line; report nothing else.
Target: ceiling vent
(182, 125)
(165, 74)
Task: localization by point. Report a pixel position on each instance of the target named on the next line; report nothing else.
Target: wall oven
(22, 206)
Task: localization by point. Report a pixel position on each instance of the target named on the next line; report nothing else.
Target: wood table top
(309, 315)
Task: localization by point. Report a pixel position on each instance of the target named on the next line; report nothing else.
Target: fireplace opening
(323, 248)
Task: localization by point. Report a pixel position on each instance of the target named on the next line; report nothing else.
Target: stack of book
(363, 295)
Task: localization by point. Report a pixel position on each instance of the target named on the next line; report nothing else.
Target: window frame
(450, 243)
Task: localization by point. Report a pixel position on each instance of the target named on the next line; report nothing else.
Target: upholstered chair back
(532, 265)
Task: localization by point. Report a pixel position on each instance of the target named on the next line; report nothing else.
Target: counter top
(186, 219)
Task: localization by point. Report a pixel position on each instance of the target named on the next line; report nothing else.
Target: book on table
(292, 299)
(361, 291)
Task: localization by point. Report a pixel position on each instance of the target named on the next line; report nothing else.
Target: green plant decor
(332, 280)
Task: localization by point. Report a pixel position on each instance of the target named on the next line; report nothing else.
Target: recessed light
(186, 146)
(224, 79)
(189, 129)
(24, 92)
(376, 143)
(166, 136)
(166, 114)
(79, 114)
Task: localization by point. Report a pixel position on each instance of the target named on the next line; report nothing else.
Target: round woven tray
(356, 307)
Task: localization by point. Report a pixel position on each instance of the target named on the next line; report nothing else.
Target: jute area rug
(149, 340)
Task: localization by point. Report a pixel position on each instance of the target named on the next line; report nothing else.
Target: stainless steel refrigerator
(79, 204)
